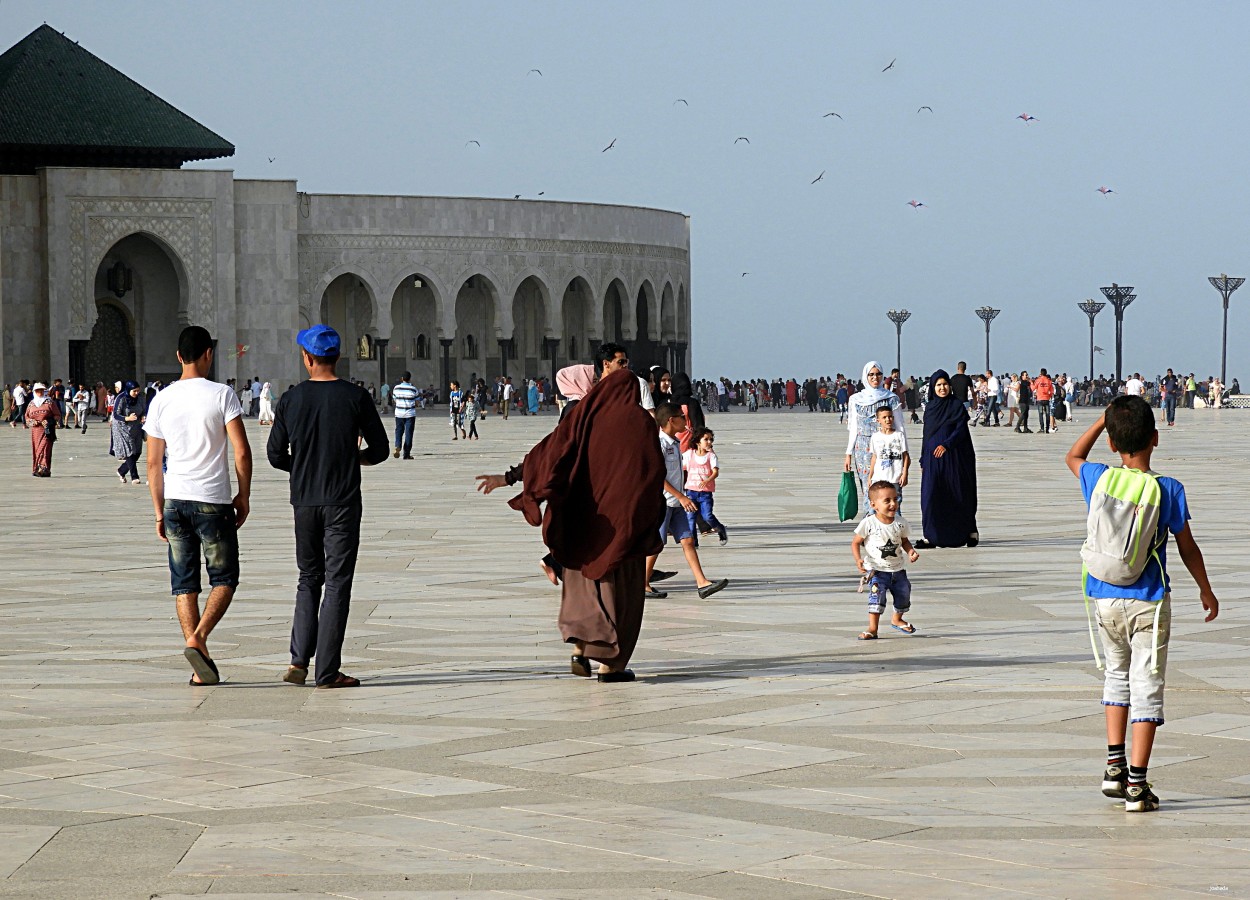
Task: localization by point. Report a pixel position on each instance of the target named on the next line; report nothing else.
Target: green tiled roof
(61, 105)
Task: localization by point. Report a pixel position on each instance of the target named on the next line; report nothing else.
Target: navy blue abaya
(948, 487)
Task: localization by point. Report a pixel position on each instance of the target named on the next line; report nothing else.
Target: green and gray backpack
(1121, 534)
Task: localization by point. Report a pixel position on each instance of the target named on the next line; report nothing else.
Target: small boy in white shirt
(890, 459)
(876, 546)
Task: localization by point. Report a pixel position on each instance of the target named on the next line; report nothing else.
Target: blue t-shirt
(1173, 515)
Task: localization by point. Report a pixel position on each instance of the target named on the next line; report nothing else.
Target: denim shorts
(192, 526)
(676, 523)
(899, 586)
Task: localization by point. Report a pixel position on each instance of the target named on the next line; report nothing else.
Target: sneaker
(1140, 798)
(1114, 780)
(724, 536)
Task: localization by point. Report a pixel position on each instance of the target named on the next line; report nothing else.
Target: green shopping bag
(848, 497)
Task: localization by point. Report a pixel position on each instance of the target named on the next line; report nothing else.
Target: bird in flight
(744, 274)
(891, 65)
(914, 204)
(467, 143)
(827, 115)
(609, 147)
(516, 196)
(1027, 118)
(1097, 349)
(272, 158)
(680, 100)
(532, 71)
(540, 193)
(1104, 190)
(741, 139)
(819, 177)
(929, 108)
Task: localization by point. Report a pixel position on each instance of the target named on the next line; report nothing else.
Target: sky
(1145, 98)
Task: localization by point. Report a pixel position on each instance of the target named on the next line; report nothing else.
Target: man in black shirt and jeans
(961, 385)
(315, 437)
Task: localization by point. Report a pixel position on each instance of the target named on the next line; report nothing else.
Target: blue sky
(1145, 98)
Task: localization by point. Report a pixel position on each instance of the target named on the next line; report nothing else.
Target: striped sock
(1115, 755)
(1137, 775)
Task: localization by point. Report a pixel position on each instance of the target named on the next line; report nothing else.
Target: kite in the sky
(680, 100)
(742, 139)
(914, 204)
(929, 108)
(1104, 190)
(1027, 118)
(532, 71)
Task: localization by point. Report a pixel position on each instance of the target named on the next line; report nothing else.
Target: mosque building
(108, 247)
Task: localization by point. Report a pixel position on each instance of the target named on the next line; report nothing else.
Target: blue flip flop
(910, 629)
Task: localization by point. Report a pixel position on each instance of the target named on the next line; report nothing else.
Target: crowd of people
(629, 464)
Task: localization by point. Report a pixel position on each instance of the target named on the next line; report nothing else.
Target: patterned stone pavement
(762, 753)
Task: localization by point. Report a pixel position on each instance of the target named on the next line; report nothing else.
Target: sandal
(867, 636)
(340, 681)
(906, 628)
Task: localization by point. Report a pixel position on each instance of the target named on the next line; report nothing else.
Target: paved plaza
(763, 752)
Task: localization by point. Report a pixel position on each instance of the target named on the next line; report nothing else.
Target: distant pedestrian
(42, 416)
(129, 410)
(405, 397)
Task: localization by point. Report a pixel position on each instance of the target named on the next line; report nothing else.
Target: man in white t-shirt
(188, 426)
(506, 394)
(1135, 387)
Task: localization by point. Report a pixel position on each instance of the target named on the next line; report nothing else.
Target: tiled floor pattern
(763, 752)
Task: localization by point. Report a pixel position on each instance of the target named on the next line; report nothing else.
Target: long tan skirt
(604, 615)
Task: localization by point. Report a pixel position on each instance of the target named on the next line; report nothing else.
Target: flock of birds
(914, 204)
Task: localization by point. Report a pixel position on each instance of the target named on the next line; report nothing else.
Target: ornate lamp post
(1120, 298)
(1091, 308)
(1225, 286)
(898, 317)
(987, 314)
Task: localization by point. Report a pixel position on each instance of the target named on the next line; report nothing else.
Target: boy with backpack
(1131, 512)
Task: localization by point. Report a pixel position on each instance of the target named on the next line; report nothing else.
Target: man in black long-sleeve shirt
(316, 434)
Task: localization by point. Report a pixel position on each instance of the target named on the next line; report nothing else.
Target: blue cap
(320, 340)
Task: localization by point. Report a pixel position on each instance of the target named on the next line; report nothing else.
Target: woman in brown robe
(600, 474)
(42, 417)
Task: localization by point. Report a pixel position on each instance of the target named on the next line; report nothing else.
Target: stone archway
(529, 326)
(615, 300)
(141, 306)
(413, 345)
(645, 351)
(578, 315)
(347, 306)
(475, 349)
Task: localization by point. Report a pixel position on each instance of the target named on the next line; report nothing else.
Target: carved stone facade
(444, 287)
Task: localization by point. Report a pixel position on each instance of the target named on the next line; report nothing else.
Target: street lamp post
(898, 317)
(1225, 286)
(1091, 308)
(1120, 298)
(987, 314)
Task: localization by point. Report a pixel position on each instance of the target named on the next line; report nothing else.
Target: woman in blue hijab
(948, 488)
(129, 411)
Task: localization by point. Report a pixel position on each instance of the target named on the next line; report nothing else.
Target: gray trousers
(327, 540)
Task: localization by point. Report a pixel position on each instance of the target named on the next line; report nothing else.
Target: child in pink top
(702, 468)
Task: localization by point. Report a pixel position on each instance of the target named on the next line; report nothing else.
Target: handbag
(49, 431)
(848, 498)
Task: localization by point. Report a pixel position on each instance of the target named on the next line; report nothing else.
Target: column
(552, 346)
(503, 357)
(379, 347)
(446, 345)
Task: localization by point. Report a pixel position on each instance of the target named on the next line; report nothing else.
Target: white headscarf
(38, 398)
(871, 396)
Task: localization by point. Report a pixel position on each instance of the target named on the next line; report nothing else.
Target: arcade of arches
(530, 331)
